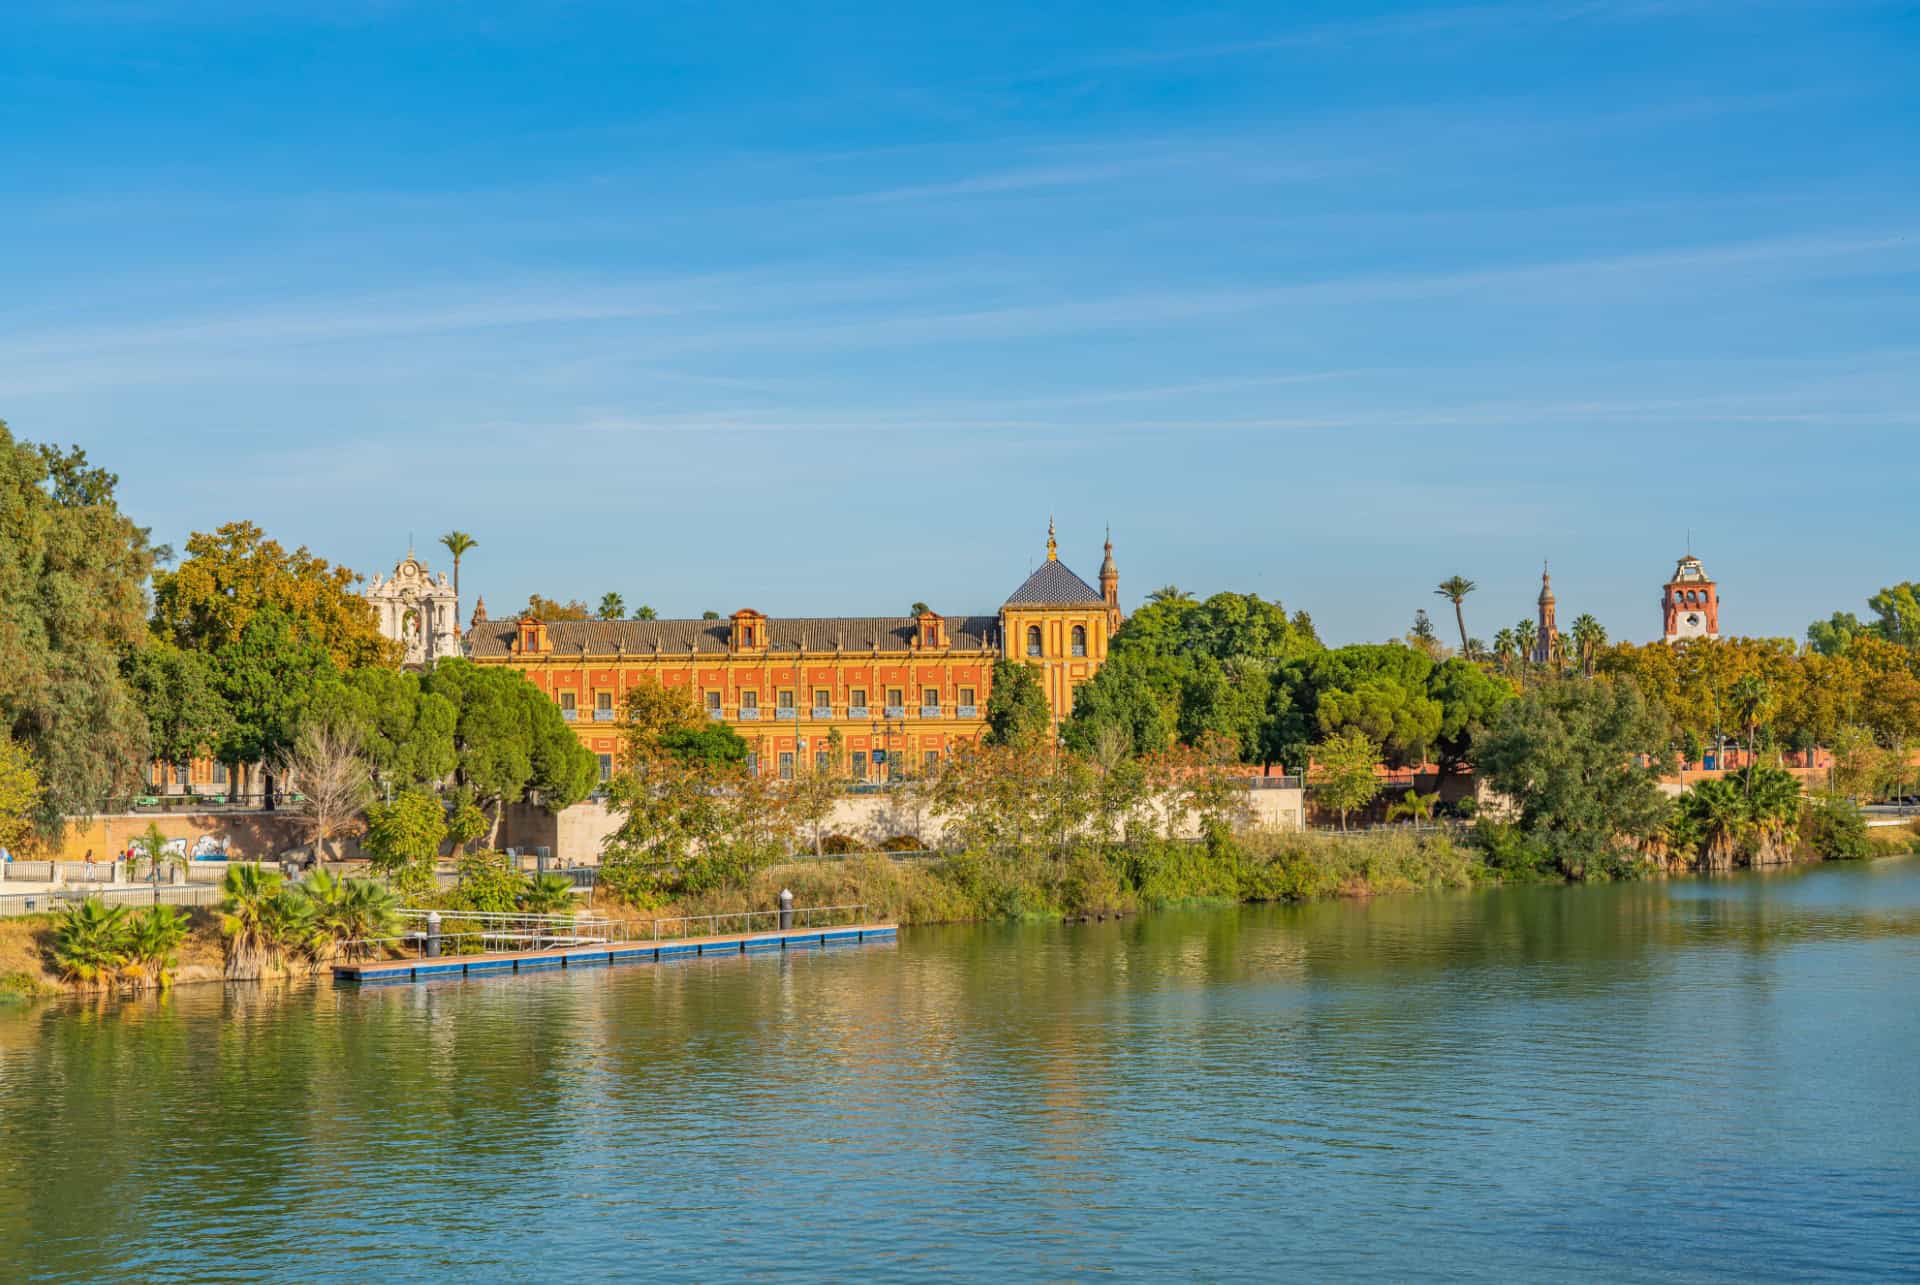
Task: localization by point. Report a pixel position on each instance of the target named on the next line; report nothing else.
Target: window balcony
(821, 713)
(856, 711)
(569, 713)
(895, 711)
(786, 713)
(603, 716)
(966, 711)
(929, 711)
(749, 713)
(715, 713)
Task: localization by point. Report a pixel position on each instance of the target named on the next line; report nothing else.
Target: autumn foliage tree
(236, 571)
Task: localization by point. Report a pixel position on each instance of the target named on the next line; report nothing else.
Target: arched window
(1079, 640)
(1033, 640)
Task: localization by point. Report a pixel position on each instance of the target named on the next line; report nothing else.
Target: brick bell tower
(1690, 603)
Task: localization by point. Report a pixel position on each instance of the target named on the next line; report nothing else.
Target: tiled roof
(494, 638)
(1055, 586)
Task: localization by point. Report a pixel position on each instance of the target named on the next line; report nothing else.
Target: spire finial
(1053, 546)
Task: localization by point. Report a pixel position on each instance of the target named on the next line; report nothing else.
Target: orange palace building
(899, 690)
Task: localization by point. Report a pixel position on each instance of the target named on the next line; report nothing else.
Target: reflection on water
(1688, 1080)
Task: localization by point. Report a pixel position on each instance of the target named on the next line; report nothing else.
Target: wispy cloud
(1479, 19)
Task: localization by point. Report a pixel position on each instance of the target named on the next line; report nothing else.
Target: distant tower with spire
(1110, 585)
(1546, 644)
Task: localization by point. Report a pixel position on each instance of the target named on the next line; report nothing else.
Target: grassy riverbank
(970, 887)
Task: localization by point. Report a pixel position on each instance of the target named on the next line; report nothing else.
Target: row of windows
(822, 762)
(856, 697)
(1077, 645)
(1691, 595)
(783, 699)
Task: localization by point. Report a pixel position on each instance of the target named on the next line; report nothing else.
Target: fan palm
(612, 607)
(547, 894)
(1720, 816)
(1414, 806)
(1773, 802)
(344, 917)
(254, 919)
(90, 942)
(1170, 595)
(1455, 590)
(153, 945)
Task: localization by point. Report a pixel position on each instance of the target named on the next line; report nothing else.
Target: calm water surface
(1683, 1081)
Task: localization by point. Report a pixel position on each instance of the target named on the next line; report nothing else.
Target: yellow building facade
(901, 692)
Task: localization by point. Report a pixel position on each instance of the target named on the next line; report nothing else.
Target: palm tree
(1589, 636)
(1720, 813)
(1414, 806)
(1170, 595)
(346, 915)
(1526, 634)
(612, 607)
(153, 844)
(646, 613)
(1505, 647)
(547, 894)
(253, 919)
(153, 946)
(1455, 590)
(90, 943)
(459, 544)
(1752, 701)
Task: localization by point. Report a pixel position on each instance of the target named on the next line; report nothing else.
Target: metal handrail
(798, 917)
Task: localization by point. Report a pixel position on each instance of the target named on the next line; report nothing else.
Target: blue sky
(826, 308)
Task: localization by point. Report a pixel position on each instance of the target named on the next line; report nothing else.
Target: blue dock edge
(413, 970)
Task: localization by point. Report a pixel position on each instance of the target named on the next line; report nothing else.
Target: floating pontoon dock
(589, 944)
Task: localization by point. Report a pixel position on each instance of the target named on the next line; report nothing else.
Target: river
(1689, 1080)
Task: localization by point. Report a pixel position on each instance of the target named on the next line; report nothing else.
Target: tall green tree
(266, 676)
(179, 692)
(612, 607)
(404, 730)
(510, 743)
(1017, 712)
(1568, 753)
(1468, 697)
(72, 576)
(1455, 590)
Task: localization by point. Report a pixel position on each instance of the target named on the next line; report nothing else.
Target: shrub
(1834, 828)
(489, 882)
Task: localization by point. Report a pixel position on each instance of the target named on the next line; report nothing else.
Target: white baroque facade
(417, 610)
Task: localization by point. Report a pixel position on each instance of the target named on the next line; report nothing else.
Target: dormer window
(749, 630)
